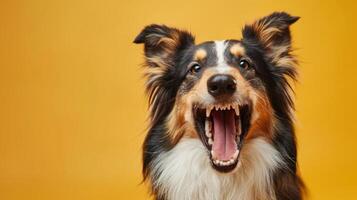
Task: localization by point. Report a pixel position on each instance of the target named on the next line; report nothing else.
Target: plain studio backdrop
(72, 105)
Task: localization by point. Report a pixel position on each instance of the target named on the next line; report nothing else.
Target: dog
(221, 114)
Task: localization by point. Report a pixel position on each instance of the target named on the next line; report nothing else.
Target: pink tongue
(224, 144)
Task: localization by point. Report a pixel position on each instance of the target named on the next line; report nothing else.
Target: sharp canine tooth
(208, 110)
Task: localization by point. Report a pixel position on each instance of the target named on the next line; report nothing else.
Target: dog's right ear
(162, 43)
(272, 33)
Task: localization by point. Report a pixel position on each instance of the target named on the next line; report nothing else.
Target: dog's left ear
(272, 33)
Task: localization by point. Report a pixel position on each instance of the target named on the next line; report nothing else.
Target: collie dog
(221, 114)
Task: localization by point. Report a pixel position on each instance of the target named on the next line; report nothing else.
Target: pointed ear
(272, 33)
(162, 46)
(162, 43)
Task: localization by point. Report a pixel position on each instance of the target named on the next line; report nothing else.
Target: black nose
(221, 85)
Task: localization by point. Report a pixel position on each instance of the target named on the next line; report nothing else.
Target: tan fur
(157, 61)
(200, 54)
(180, 123)
(158, 65)
(237, 50)
(262, 119)
(169, 43)
(278, 54)
(262, 123)
(265, 33)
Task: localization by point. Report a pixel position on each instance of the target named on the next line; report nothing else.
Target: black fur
(288, 185)
(162, 91)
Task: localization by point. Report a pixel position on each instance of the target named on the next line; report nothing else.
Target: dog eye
(244, 64)
(195, 68)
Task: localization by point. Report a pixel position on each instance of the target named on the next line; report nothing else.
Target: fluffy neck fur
(185, 172)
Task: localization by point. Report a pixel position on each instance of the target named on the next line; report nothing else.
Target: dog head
(223, 93)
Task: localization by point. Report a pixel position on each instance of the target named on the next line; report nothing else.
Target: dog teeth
(231, 160)
(224, 162)
(236, 109)
(208, 110)
(218, 107)
(210, 141)
(208, 127)
(208, 132)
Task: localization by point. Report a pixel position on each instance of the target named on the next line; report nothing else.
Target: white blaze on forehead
(222, 66)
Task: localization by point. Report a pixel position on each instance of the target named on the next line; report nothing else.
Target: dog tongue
(224, 131)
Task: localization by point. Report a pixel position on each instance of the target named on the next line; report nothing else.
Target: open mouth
(222, 129)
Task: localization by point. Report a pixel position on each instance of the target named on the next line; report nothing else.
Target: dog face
(223, 93)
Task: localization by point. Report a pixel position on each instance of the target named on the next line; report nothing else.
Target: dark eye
(244, 64)
(195, 68)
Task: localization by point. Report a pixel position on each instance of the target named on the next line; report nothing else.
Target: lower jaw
(224, 165)
(225, 169)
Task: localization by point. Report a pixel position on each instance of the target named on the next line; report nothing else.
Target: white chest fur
(185, 173)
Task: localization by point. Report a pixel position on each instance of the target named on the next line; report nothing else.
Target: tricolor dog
(221, 114)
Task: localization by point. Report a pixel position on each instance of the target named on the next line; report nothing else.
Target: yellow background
(72, 106)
